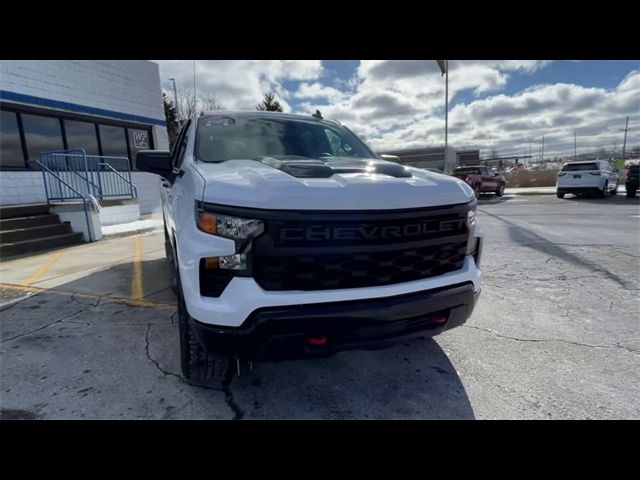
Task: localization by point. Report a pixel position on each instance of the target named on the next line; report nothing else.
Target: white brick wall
(148, 186)
(125, 86)
(21, 187)
(116, 214)
(28, 187)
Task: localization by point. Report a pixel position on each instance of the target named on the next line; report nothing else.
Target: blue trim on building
(72, 107)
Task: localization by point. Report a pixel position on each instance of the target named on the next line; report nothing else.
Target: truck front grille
(335, 250)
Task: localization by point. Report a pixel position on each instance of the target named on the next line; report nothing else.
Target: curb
(130, 233)
(529, 193)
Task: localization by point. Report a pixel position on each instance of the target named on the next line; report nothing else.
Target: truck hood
(327, 184)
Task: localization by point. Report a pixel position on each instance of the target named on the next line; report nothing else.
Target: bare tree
(190, 104)
(187, 103)
(211, 102)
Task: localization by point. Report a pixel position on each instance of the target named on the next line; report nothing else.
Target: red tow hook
(316, 341)
(438, 318)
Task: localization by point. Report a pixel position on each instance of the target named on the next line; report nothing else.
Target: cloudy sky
(493, 104)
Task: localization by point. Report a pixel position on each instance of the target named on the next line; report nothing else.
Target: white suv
(594, 177)
(289, 237)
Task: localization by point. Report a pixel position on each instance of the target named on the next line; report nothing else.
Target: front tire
(199, 365)
(615, 190)
(500, 190)
(476, 191)
(559, 194)
(605, 190)
(631, 193)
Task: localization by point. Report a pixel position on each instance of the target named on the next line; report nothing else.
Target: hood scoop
(302, 167)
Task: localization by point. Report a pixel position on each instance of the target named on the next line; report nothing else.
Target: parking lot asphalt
(90, 332)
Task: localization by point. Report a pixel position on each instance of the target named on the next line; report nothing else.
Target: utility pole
(575, 146)
(542, 152)
(624, 145)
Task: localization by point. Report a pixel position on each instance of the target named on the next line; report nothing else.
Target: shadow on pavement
(619, 199)
(52, 339)
(530, 239)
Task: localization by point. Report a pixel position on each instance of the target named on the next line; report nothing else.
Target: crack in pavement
(238, 414)
(228, 395)
(543, 340)
(71, 315)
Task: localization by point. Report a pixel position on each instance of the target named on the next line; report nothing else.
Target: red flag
(443, 68)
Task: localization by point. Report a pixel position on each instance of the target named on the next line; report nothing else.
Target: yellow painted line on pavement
(43, 269)
(90, 296)
(137, 290)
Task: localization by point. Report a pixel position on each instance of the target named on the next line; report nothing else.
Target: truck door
(167, 190)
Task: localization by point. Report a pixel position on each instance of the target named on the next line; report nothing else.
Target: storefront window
(81, 135)
(114, 141)
(10, 147)
(41, 134)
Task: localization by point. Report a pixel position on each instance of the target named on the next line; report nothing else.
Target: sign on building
(140, 139)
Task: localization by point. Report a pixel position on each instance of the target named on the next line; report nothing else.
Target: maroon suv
(482, 179)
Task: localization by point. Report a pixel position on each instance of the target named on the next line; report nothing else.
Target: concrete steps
(26, 210)
(31, 228)
(25, 222)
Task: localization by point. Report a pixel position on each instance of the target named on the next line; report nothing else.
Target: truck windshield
(220, 138)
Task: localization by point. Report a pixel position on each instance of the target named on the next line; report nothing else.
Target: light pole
(446, 110)
(175, 92)
(444, 68)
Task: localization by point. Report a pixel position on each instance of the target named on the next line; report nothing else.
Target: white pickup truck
(288, 237)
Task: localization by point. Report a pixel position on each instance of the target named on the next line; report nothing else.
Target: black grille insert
(335, 250)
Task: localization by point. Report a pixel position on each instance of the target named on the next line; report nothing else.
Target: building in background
(439, 158)
(106, 107)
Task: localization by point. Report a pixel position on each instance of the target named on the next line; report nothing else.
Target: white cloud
(399, 103)
(318, 91)
(239, 84)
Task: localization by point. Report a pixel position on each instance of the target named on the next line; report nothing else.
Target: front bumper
(279, 333)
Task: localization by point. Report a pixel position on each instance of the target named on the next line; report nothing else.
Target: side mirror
(156, 161)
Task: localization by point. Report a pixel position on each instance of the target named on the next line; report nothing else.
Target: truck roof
(260, 113)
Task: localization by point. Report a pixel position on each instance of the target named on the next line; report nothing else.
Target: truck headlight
(472, 242)
(471, 217)
(230, 227)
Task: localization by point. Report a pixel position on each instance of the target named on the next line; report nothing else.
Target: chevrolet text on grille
(369, 232)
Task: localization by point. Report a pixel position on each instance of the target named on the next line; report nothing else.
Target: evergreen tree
(171, 119)
(269, 104)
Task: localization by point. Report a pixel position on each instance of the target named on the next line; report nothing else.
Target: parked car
(632, 180)
(481, 179)
(288, 237)
(581, 178)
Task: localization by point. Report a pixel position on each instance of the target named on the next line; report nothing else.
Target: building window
(114, 141)
(81, 135)
(10, 147)
(42, 134)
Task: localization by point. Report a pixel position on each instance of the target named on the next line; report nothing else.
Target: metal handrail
(134, 189)
(74, 162)
(83, 197)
